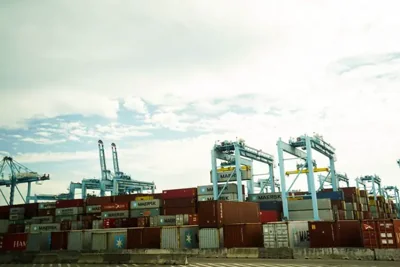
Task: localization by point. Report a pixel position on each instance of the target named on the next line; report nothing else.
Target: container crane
(308, 166)
(19, 174)
(375, 185)
(392, 192)
(237, 165)
(341, 177)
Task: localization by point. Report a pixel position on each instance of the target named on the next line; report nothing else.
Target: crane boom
(115, 159)
(102, 157)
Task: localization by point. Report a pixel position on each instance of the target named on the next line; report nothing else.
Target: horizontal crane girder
(307, 171)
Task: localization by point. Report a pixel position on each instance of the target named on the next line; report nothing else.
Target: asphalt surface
(239, 263)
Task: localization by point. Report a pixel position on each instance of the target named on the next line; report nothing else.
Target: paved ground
(239, 263)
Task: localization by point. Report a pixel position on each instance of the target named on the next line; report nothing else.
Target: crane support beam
(307, 171)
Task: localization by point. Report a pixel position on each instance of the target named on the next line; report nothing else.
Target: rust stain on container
(59, 240)
(148, 237)
(243, 235)
(179, 202)
(215, 214)
(335, 234)
(183, 210)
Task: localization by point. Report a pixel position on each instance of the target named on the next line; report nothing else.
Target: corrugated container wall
(179, 237)
(80, 240)
(117, 240)
(369, 234)
(211, 238)
(290, 234)
(144, 238)
(14, 242)
(99, 241)
(91, 201)
(48, 227)
(180, 193)
(38, 242)
(59, 240)
(4, 226)
(69, 203)
(243, 235)
(69, 211)
(115, 206)
(146, 204)
(215, 214)
(145, 212)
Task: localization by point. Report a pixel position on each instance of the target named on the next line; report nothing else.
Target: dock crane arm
(115, 159)
(102, 157)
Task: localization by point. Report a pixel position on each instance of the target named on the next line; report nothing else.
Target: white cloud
(44, 134)
(43, 141)
(136, 104)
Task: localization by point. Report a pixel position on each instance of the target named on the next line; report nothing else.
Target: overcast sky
(165, 79)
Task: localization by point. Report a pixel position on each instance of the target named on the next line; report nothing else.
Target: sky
(166, 80)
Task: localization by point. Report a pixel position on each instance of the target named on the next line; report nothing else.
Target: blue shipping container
(339, 195)
(271, 205)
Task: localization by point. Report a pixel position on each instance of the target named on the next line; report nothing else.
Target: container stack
(180, 201)
(205, 192)
(301, 210)
(270, 206)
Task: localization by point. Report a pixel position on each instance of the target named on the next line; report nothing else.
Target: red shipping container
(180, 202)
(243, 235)
(72, 203)
(91, 201)
(16, 228)
(193, 219)
(47, 212)
(109, 223)
(143, 238)
(369, 234)
(143, 221)
(87, 224)
(396, 228)
(59, 241)
(183, 210)
(180, 193)
(386, 233)
(270, 216)
(115, 206)
(4, 209)
(13, 242)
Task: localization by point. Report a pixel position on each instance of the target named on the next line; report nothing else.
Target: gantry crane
(307, 166)
(341, 177)
(237, 165)
(18, 174)
(392, 192)
(374, 183)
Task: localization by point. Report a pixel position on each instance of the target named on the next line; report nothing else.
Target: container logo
(119, 241)
(188, 237)
(147, 203)
(367, 227)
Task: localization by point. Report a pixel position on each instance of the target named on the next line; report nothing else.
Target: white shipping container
(308, 215)
(184, 237)
(265, 197)
(163, 220)
(47, 205)
(4, 226)
(97, 224)
(182, 219)
(43, 219)
(211, 238)
(208, 189)
(99, 241)
(47, 227)
(93, 209)
(223, 176)
(146, 204)
(20, 210)
(16, 217)
(306, 204)
(79, 240)
(226, 197)
(69, 211)
(66, 218)
(286, 234)
(115, 214)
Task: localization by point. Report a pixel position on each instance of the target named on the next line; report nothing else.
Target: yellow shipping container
(144, 198)
(372, 202)
(294, 198)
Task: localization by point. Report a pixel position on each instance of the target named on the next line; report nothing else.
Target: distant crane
(19, 174)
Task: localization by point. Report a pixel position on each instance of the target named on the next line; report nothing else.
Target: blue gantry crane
(18, 174)
(341, 177)
(372, 185)
(237, 161)
(308, 166)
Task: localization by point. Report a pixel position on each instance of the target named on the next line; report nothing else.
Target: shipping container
(115, 206)
(335, 234)
(179, 237)
(16, 228)
(69, 211)
(60, 204)
(59, 241)
(150, 197)
(71, 225)
(182, 219)
(369, 234)
(47, 227)
(386, 234)
(120, 223)
(179, 202)
(13, 242)
(97, 224)
(306, 215)
(270, 216)
(183, 210)
(215, 214)
(117, 240)
(38, 242)
(47, 212)
(17, 210)
(286, 234)
(94, 201)
(43, 219)
(145, 212)
(193, 219)
(93, 209)
(115, 214)
(125, 198)
(225, 174)
(306, 204)
(146, 204)
(211, 238)
(225, 197)
(396, 229)
(143, 222)
(47, 205)
(144, 238)
(99, 240)
(271, 205)
(80, 240)
(265, 197)
(4, 226)
(208, 189)
(180, 193)
(59, 219)
(163, 220)
(243, 235)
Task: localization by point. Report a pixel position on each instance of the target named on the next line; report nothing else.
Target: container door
(269, 233)
(117, 240)
(282, 235)
(169, 237)
(99, 241)
(45, 241)
(189, 237)
(87, 240)
(33, 242)
(75, 241)
(210, 238)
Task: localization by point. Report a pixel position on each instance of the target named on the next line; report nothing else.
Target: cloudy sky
(165, 79)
